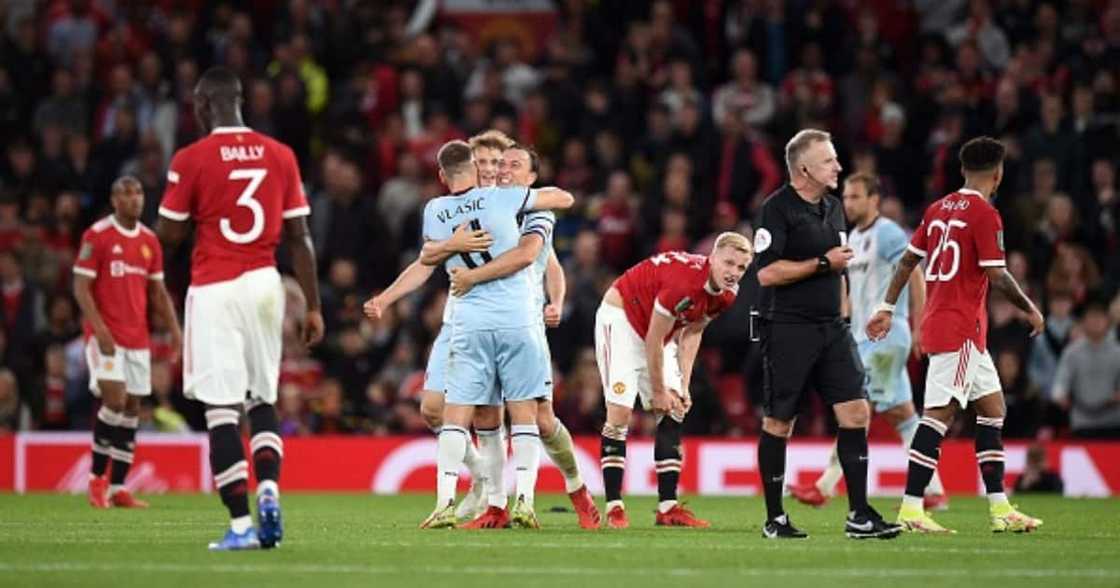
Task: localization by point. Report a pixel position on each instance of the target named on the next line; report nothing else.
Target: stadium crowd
(666, 119)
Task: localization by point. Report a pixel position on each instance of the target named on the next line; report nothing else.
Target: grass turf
(340, 539)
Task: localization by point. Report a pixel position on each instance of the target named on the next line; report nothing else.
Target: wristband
(885, 307)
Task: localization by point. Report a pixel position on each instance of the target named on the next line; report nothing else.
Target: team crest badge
(146, 252)
(86, 251)
(619, 388)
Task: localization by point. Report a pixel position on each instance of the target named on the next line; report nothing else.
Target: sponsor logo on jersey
(762, 240)
(619, 388)
(117, 250)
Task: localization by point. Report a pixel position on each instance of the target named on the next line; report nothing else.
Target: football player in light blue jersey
(493, 343)
(878, 243)
(486, 148)
(519, 168)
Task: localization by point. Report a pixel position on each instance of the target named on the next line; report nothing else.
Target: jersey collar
(230, 130)
(969, 191)
(120, 228)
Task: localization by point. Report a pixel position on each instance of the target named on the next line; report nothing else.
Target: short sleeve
(176, 204)
(770, 238)
(671, 302)
(89, 256)
(918, 240)
(295, 199)
(528, 199)
(987, 234)
(155, 266)
(539, 223)
(427, 224)
(891, 242)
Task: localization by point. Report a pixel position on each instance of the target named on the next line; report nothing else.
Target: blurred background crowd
(667, 119)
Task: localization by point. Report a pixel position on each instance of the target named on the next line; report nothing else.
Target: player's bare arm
(165, 308)
(302, 249)
(688, 345)
(659, 327)
(463, 240)
(172, 232)
(84, 297)
(845, 302)
(557, 287)
(552, 198)
(880, 323)
(1005, 283)
(784, 271)
(508, 263)
(406, 283)
(917, 303)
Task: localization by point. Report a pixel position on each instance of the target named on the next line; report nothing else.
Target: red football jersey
(960, 235)
(675, 284)
(238, 186)
(121, 263)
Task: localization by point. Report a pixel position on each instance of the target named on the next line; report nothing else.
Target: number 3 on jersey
(255, 177)
(935, 269)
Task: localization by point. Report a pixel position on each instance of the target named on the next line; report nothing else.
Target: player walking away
(487, 462)
(492, 343)
(802, 253)
(118, 271)
(519, 167)
(242, 189)
(877, 244)
(961, 235)
(647, 334)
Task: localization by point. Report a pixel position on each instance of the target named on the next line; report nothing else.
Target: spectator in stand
(1087, 383)
(1038, 476)
(9, 402)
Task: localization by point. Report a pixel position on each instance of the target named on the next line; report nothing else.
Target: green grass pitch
(364, 540)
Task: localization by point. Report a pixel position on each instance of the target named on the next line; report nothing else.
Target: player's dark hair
(534, 157)
(121, 182)
(982, 154)
(869, 181)
(453, 156)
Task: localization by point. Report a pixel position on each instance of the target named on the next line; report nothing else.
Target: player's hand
(374, 308)
(686, 401)
(1037, 321)
(879, 325)
(105, 343)
(838, 257)
(666, 403)
(551, 316)
(461, 281)
(467, 240)
(313, 328)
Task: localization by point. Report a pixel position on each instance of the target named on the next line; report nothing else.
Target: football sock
(831, 475)
(103, 429)
(453, 442)
(124, 443)
(612, 460)
(559, 450)
(772, 468)
(667, 461)
(906, 430)
(851, 450)
(526, 441)
(267, 447)
(473, 460)
(990, 456)
(492, 449)
(227, 461)
(925, 450)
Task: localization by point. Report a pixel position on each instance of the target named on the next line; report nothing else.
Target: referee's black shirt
(795, 230)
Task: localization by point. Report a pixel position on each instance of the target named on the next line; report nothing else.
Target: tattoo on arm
(1006, 284)
(906, 267)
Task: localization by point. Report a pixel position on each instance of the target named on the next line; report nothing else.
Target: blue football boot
(268, 519)
(233, 541)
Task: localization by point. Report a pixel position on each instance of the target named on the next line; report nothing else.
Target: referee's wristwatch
(823, 265)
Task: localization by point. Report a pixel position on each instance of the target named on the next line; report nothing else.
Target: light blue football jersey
(498, 304)
(877, 251)
(540, 222)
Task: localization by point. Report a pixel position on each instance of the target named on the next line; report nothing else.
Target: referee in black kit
(802, 252)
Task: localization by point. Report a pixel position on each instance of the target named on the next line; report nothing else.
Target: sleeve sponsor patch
(86, 251)
(683, 305)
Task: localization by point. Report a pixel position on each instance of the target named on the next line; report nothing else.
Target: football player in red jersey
(243, 190)
(961, 236)
(647, 333)
(119, 270)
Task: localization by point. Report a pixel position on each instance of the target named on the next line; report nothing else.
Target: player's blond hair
(800, 143)
(492, 138)
(735, 241)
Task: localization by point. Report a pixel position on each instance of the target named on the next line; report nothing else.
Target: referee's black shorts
(796, 356)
